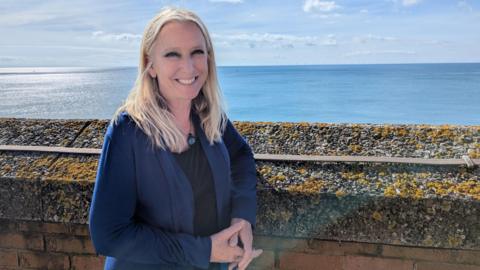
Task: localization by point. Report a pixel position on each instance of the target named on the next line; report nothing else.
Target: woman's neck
(181, 112)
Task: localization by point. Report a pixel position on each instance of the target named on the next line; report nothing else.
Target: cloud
(122, 37)
(320, 6)
(370, 38)
(465, 6)
(69, 48)
(408, 3)
(10, 59)
(368, 52)
(268, 40)
(227, 1)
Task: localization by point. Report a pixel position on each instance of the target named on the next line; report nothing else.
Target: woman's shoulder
(122, 123)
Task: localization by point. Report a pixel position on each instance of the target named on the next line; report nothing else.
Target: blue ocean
(393, 93)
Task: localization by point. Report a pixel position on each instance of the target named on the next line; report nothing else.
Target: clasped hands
(225, 245)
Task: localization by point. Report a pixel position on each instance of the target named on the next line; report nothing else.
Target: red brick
(265, 261)
(445, 266)
(22, 241)
(44, 260)
(79, 229)
(375, 263)
(342, 248)
(294, 260)
(45, 227)
(433, 254)
(467, 256)
(87, 262)
(8, 258)
(73, 244)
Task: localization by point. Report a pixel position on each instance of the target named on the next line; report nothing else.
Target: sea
(377, 94)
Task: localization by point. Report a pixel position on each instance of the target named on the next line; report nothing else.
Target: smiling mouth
(187, 82)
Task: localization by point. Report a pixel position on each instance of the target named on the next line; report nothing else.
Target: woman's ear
(151, 71)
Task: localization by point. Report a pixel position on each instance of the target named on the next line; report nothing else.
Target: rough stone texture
(65, 201)
(20, 199)
(44, 132)
(374, 219)
(92, 135)
(73, 168)
(424, 141)
(24, 165)
(404, 204)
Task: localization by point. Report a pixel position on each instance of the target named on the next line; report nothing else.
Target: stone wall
(312, 215)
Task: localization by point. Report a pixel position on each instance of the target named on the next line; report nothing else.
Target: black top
(196, 168)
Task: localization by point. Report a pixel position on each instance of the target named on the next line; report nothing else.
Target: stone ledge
(399, 204)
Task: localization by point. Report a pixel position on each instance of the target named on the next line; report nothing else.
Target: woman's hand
(221, 250)
(246, 236)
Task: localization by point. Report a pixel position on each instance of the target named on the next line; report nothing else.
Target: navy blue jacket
(141, 215)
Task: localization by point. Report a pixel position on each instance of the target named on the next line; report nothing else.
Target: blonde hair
(148, 108)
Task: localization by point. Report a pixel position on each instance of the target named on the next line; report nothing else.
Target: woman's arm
(244, 175)
(114, 230)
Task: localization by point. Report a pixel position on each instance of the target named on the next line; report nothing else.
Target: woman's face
(180, 64)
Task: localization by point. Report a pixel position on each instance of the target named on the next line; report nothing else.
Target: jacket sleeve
(244, 175)
(114, 230)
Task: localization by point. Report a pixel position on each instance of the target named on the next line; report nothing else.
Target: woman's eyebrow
(179, 49)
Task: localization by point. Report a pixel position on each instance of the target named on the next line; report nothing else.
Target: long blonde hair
(148, 108)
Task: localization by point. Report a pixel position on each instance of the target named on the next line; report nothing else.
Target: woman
(175, 186)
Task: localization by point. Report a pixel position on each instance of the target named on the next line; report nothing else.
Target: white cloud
(370, 38)
(122, 37)
(465, 6)
(257, 40)
(9, 59)
(369, 52)
(318, 5)
(327, 15)
(227, 1)
(408, 3)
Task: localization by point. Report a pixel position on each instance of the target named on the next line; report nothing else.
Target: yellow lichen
(355, 148)
(469, 188)
(340, 193)
(455, 240)
(309, 186)
(404, 186)
(67, 168)
(302, 170)
(377, 216)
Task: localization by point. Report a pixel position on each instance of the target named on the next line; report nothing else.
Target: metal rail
(465, 160)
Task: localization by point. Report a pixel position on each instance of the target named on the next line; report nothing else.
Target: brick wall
(37, 245)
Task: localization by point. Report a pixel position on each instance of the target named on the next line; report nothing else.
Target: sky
(107, 33)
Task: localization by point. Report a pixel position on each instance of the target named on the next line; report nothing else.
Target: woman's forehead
(177, 35)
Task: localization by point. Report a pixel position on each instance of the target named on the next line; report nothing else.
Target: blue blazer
(141, 214)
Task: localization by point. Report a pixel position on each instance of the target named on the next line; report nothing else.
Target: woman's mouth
(187, 81)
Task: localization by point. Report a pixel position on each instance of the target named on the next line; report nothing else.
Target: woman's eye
(198, 52)
(172, 54)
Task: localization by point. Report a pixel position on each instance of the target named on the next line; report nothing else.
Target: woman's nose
(188, 65)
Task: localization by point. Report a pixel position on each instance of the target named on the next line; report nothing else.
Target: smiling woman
(176, 183)
(179, 62)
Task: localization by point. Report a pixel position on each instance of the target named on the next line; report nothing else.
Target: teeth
(186, 81)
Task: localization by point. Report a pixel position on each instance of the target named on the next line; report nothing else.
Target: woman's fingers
(221, 249)
(255, 253)
(234, 240)
(230, 231)
(232, 265)
(246, 237)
